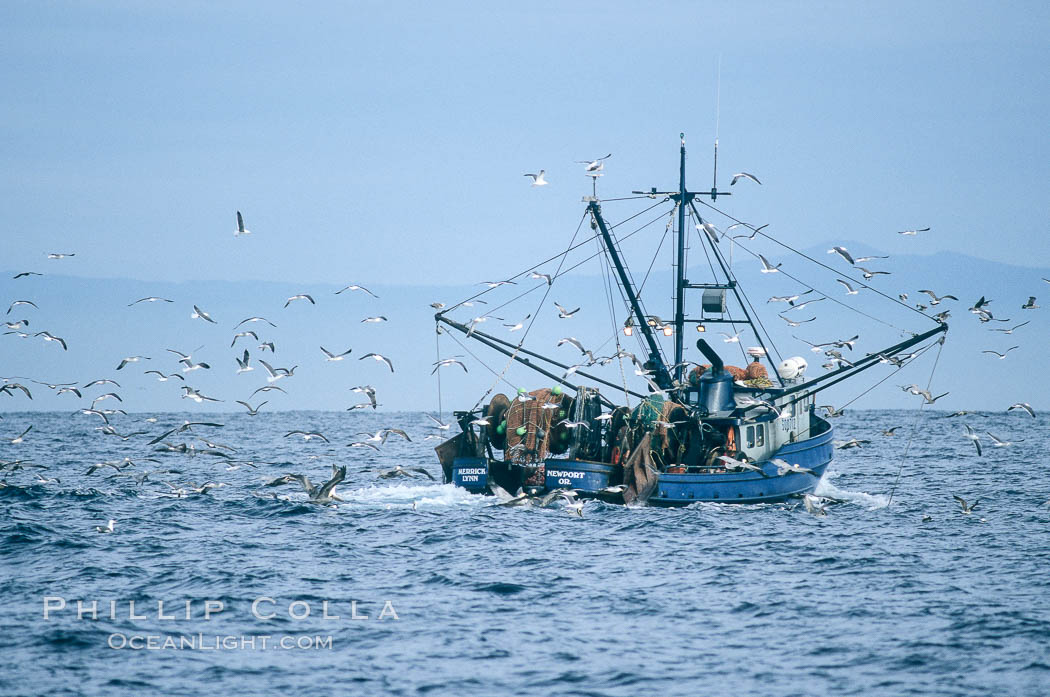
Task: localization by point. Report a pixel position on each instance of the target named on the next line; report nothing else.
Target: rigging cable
(918, 423)
(823, 265)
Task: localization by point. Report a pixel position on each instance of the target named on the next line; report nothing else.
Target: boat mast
(679, 312)
(662, 377)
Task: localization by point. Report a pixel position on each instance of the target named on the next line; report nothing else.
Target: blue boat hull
(751, 487)
(588, 479)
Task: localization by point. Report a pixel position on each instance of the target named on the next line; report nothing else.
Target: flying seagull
(594, 165)
(151, 299)
(1030, 305)
(252, 411)
(538, 179)
(767, 267)
(1023, 405)
(972, 435)
(1001, 355)
(199, 313)
(300, 296)
(30, 302)
(850, 290)
(240, 227)
(378, 357)
(356, 287)
(743, 175)
(565, 314)
(335, 356)
(966, 508)
(913, 232)
(841, 251)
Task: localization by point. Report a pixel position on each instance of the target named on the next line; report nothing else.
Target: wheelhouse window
(751, 436)
(760, 435)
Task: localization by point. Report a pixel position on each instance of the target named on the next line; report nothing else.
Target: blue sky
(134, 130)
(384, 143)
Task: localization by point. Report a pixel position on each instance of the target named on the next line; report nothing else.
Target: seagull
(400, 471)
(238, 335)
(190, 393)
(252, 411)
(26, 273)
(240, 227)
(334, 356)
(201, 314)
(368, 391)
(362, 444)
(356, 287)
(913, 232)
(574, 342)
(1022, 405)
(1011, 329)
(300, 296)
(276, 374)
(841, 251)
(594, 165)
(48, 336)
(538, 179)
(106, 381)
(754, 230)
(256, 319)
(743, 175)
(813, 506)
(324, 493)
(132, 359)
(497, 284)
(16, 441)
(26, 302)
(73, 390)
(972, 435)
(871, 274)
(1030, 305)
(999, 442)
(710, 230)
(190, 365)
(161, 377)
(830, 411)
(935, 300)
(565, 314)
(890, 431)
(784, 467)
(150, 299)
(17, 325)
(1001, 355)
(853, 443)
(519, 325)
(850, 290)
(484, 421)
(767, 267)
(373, 320)
(108, 527)
(576, 424)
(732, 463)
(438, 306)
(308, 435)
(440, 426)
(378, 357)
(242, 363)
(55, 255)
(539, 276)
(732, 338)
(448, 361)
(266, 388)
(966, 508)
(267, 345)
(861, 260)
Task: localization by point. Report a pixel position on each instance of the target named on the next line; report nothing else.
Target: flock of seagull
(184, 366)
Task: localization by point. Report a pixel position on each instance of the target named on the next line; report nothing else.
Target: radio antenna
(718, 112)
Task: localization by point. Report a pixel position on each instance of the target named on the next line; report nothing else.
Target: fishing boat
(687, 431)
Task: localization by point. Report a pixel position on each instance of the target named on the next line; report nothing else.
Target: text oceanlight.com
(218, 642)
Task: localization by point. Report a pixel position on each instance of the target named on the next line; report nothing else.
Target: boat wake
(430, 495)
(825, 487)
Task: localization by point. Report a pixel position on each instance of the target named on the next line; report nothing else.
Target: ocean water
(429, 590)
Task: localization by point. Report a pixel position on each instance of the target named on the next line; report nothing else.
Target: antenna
(718, 114)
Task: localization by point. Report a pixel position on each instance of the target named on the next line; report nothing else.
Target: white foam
(826, 488)
(419, 494)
